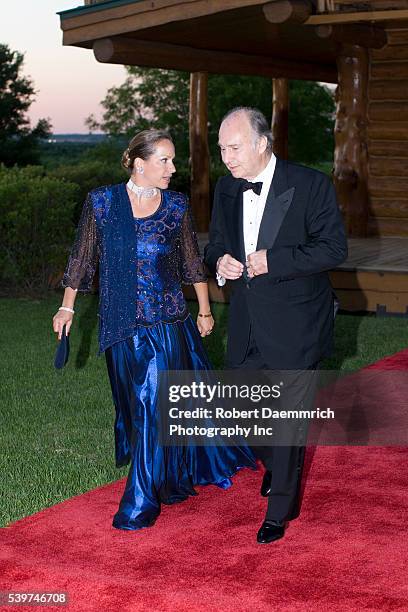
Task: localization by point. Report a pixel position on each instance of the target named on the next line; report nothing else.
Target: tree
(149, 97)
(152, 97)
(18, 142)
(311, 122)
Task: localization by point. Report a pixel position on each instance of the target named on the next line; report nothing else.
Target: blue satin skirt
(160, 474)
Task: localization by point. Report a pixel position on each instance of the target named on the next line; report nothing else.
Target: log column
(280, 117)
(350, 157)
(199, 152)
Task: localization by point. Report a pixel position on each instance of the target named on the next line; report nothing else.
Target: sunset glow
(69, 81)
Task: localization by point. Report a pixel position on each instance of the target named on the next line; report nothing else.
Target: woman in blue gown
(141, 235)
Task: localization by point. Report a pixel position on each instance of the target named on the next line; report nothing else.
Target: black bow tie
(256, 187)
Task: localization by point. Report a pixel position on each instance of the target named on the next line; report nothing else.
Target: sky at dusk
(69, 81)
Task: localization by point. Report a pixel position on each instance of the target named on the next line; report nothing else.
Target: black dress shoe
(270, 531)
(266, 484)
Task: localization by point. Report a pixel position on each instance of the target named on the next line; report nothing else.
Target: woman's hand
(205, 325)
(61, 318)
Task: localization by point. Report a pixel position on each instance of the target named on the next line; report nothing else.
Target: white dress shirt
(254, 206)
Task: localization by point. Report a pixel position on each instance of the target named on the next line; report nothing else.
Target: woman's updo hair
(143, 145)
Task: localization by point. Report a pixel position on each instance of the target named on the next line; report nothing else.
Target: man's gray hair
(257, 121)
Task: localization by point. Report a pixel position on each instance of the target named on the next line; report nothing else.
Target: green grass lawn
(57, 427)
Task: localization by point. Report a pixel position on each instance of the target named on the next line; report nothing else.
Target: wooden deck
(385, 254)
(374, 277)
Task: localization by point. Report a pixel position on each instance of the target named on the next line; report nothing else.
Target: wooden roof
(282, 38)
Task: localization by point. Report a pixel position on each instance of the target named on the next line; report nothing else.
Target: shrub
(180, 181)
(36, 227)
(88, 175)
(25, 172)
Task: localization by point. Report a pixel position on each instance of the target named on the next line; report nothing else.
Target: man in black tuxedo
(275, 232)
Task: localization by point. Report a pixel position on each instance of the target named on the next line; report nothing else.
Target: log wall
(388, 136)
(366, 5)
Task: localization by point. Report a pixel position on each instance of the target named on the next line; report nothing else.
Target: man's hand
(257, 263)
(229, 268)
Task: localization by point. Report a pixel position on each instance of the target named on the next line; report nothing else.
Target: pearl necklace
(145, 192)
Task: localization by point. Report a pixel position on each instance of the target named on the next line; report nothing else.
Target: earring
(140, 170)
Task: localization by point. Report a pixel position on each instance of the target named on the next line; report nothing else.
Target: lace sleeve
(82, 261)
(191, 265)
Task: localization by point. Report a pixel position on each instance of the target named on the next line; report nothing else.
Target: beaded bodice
(142, 262)
(166, 256)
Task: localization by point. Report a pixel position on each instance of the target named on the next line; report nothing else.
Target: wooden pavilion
(362, 46)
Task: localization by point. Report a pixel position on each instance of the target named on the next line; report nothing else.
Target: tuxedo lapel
(232, 202)
(240, 226)
(277, 205)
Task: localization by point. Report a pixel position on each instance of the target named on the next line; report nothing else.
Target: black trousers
(285, 462)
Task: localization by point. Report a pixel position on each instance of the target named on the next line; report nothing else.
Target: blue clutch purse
(62, 352)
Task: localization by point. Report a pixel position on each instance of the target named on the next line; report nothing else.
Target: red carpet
(347, 551)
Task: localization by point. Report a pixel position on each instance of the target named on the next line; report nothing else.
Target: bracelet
(204, 315)
(67, 309)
